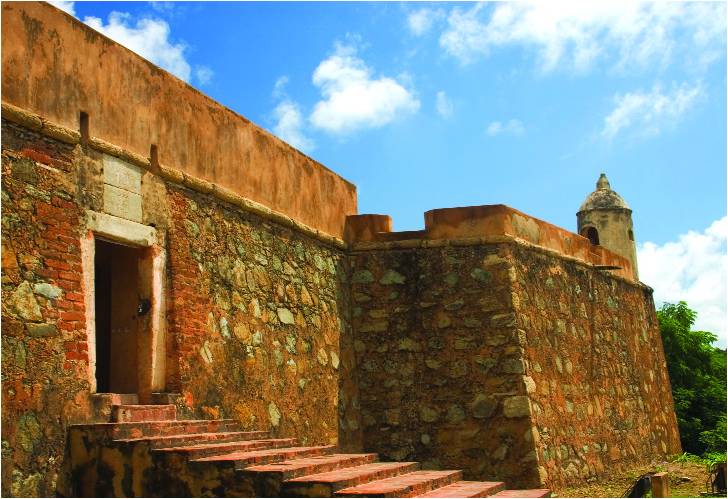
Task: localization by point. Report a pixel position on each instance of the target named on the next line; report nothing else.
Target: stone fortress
(186, 296)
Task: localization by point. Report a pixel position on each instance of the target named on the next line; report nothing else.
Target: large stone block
(122, 203)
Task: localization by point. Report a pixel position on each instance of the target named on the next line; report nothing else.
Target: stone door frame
(151, 343)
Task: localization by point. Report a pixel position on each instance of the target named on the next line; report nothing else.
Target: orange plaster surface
(55, 66)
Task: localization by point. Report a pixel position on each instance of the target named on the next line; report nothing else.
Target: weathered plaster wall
(439, 360)
(258, 315)
(44, 349)
(598, 382)
(56, 66)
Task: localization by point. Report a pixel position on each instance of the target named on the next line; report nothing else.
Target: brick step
(116, 398)
(409, 485)
(524, 493)
(160, 428)
(193, 452)
(162, 398)
(467, 489)
(245, 459)
(268, 479)
(138, 413)
(286, 470)
(165, 428)
(168, 441)
(325, 484)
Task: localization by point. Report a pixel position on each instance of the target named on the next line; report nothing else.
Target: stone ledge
(38, 124)
(21, 117)
(60, 133)
(64, 134)
(197, 184)
(112, 150)
(171, 174)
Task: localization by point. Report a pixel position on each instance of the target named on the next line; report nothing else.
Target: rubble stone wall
(439, 356)
(597, 377)
(508, 361)
(44, 349)
(258, 315)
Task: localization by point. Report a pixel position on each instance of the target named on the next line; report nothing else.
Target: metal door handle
(145, 305)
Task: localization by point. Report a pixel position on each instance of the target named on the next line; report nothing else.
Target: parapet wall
(595, 369)
(57, 67)
(478, 224)
(508, 361)
(438, 359)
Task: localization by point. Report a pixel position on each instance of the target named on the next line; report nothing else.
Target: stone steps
(146, 451)
(244, 459)
(409, 485)
(326, 484)
(134, 413)
(467, 489)
(195, 452)
(117, 398)
(169, 441)
(130, 430)
(524, 493)
(287, 470)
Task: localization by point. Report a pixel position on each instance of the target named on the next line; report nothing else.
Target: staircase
(146, 452)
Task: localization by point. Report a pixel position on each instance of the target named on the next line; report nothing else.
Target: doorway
(591, 234)
(119, 316)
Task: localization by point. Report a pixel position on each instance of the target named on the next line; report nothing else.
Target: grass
(688, 478)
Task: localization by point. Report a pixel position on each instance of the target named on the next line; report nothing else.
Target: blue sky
(429, 105)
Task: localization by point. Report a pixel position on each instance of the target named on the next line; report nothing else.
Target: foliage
(708, 458)
(714, 457)
(698, 375)
(686, 457)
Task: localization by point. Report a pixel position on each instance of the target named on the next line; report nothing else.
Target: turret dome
(603, 197)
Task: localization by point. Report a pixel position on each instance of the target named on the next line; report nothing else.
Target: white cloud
(512, 127)
(147, 37)
(166, 8)
(353, 98)
(444, 105)
(203, 74)
(64, 5)
(693, 269)
(289, 119)
(279, 88)
(420, 21)
(579, 34)
(289, 125)
(650, 111)
(466, 36)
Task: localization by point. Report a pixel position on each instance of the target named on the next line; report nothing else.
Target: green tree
(698, 376)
